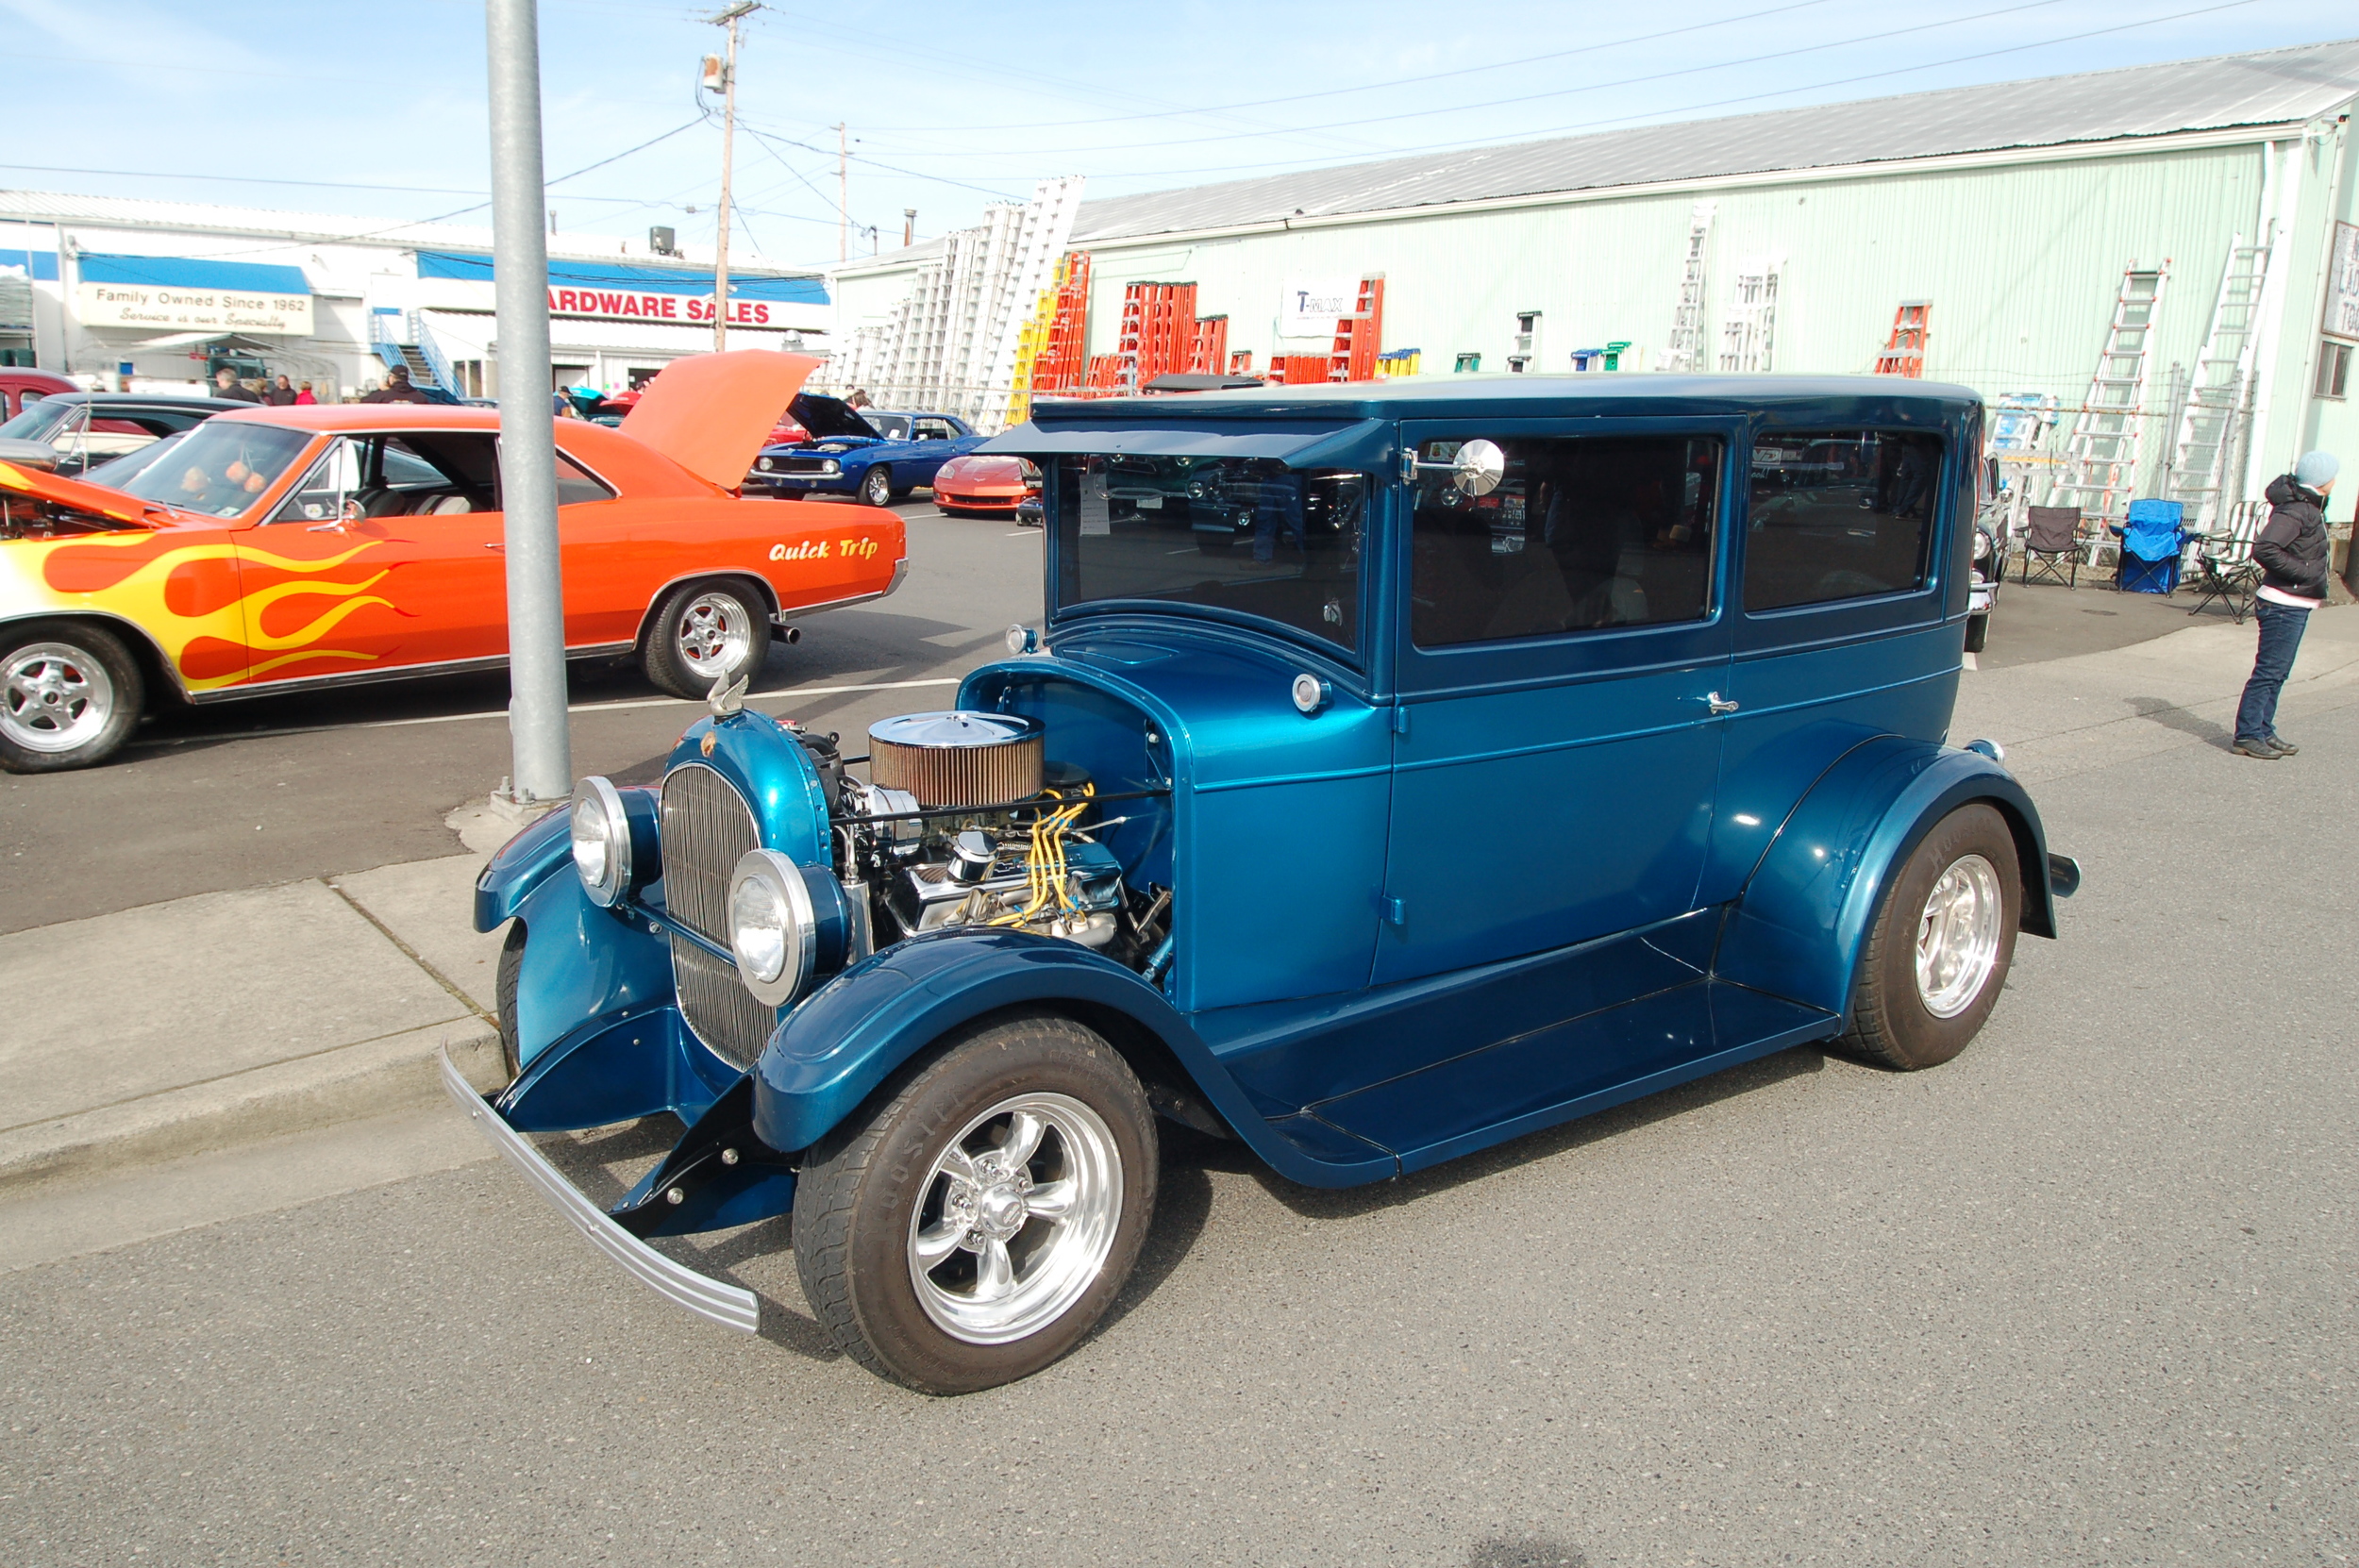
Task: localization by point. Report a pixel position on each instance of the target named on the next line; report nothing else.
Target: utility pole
(728, 18)
(528, 450)
(843, 197)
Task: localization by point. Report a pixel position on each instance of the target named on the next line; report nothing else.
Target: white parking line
(793, 694)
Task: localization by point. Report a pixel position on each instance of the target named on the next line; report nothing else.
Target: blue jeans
(2281, 636)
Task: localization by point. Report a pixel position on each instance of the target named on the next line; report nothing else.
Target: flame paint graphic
(191, 598)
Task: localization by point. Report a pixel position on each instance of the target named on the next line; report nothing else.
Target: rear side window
(1581, 534)
(1838, 514)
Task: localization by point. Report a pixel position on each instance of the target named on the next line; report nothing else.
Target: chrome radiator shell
(707, 829)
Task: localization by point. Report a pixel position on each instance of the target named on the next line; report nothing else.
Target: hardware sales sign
(623, 305)
(193, 310)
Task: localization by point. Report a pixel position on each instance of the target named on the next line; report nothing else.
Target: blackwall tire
(876, 487)
(705, 632)
(896, 1247)
(1977, 632)
(70, 696)
(1944, 937)
(504, 996)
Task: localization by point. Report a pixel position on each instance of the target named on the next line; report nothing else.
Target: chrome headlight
(764, 464)
(1983, 544)
(831, 468)
(787, 923)
(601, 833)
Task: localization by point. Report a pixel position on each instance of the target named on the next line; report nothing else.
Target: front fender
(831, 1053)
(1803, 919)
(523, 864)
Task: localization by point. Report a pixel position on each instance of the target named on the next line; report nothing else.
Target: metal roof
(2274, 87)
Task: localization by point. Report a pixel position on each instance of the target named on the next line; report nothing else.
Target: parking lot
(2082, 1296)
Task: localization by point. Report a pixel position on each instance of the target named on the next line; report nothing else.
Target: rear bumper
(730, 1305)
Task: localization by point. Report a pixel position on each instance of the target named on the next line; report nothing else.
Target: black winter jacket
(2291, 545)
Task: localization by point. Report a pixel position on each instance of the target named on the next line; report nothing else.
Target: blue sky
(380, 105)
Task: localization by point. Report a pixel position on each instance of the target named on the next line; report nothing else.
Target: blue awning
(188, 272)
(475, 268)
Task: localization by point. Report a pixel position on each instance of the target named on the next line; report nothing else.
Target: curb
(396, 1073)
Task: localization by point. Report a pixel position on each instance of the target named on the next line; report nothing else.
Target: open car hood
(97, 500)
(831, 418)
(712, 412)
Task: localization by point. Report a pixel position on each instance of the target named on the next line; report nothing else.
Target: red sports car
(982, 483)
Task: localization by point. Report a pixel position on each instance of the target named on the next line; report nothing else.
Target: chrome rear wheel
(1957, 936)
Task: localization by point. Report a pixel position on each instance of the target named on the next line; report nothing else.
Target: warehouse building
(2191, 225)
(153, 295)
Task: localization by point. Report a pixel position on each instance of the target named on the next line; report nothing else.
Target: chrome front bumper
(730, 1305)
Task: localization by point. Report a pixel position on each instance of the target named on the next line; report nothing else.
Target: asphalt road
(2082, 1297)
(241, 794)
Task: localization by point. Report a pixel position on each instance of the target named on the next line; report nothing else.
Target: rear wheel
(1976, 631)
(976, 1225)
(70, 697)
(705, 633)
(877, 487)
(1944, 937)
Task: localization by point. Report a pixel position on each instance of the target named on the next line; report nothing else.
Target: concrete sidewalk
(228, 1018)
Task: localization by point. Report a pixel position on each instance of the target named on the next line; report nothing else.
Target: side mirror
(1479, 467)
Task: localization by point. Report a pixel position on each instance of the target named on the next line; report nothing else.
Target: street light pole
(527, 453)
(729, 146)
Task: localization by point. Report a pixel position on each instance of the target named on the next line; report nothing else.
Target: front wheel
(70, 697)
(1944, 937)
(976, 1225)
(705, 633)
(877, 488)
(1977, 632)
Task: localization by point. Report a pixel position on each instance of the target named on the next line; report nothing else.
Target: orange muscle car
(285, 548)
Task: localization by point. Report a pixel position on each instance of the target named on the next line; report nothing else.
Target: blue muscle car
(876, 455)
(1404, 768)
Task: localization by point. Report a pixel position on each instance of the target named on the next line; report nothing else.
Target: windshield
(220, 468)
(34, 423)
(1243, 534)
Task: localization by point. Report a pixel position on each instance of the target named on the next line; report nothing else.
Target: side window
(935, 430)
(576, 483)
(1838, 514)
(1580, 534)
(323, 493)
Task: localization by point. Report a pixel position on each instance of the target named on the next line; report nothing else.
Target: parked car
(878, 455)
(981, 483)
(277, 549)
(1559, 766)
(20, 387)
(69, 432)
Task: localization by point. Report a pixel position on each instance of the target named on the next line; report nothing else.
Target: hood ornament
(729, 695)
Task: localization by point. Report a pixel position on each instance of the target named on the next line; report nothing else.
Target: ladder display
(1904, 351)
(2101, 455)
(2203, 448)
(1685, 350)
(1357, 335)
(1748, 337)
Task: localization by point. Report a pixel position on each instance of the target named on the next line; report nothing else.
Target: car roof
(146, 400)
(1509, 395)
(367, 416)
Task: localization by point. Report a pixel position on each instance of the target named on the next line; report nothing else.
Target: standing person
(281, 394)
(226, 385)
(2291, 549)
(303, 394)
(397, 388)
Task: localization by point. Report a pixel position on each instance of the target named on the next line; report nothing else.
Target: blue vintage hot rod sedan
(1405, 768)
(874, 455)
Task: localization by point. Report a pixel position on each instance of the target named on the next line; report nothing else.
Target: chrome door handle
(1718, 704)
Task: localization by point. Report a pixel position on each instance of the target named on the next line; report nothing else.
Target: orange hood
(97, 500)
(712, 412)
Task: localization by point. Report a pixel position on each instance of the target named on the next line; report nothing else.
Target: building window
(2334, 369)
(1468, 363)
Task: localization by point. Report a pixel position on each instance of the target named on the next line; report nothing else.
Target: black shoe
(2285, 747)
(2259, 750)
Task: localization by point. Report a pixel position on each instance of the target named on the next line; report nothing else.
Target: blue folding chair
(2153, 536)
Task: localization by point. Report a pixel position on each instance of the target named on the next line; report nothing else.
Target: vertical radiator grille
(707, 829)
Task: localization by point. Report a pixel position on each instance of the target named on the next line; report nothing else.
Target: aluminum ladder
(2108, 436)
(1685, 351)
(2218, 397)
(1748, 337)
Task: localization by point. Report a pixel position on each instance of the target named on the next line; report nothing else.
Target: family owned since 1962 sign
(194, 310)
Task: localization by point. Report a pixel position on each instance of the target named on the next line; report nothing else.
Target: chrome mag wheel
(54, 697)
(1958, 936)
(1016, 1218)
(712, 634)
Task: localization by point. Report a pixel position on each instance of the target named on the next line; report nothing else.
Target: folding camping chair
(2224, 567)
(2152, 537)
(2052, 545)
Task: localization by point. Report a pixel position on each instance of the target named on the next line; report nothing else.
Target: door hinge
(1396, 911)
(1400, 719)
